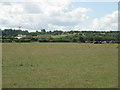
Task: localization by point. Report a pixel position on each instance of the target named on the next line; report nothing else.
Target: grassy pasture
(58, 36)
(56, 65)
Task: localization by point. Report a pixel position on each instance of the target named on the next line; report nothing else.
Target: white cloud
(64, 0)
(108, 22)
(43, 14)
(56, 27)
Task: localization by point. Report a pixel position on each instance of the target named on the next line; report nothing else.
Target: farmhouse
(20, 36)
(43, 36)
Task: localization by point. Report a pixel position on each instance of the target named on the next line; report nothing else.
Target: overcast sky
(59, 15)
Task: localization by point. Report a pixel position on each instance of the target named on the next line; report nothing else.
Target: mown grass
(56, 65)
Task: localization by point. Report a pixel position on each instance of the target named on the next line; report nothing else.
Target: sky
(59, 15)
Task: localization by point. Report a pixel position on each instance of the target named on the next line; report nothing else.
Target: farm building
(20, 36)
(43, 36)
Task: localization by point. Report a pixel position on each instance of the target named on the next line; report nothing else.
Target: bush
(24, 40)
(6, 40)
(42, 40)
(16, 40)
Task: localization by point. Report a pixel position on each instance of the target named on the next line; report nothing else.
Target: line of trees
(8, 35)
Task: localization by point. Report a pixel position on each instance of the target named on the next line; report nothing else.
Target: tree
(43, 30)
(81, 39)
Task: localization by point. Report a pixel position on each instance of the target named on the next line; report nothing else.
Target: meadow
(59, 65)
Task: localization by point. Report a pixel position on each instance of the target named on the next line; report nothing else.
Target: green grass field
(58, 36)
(60, 65)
